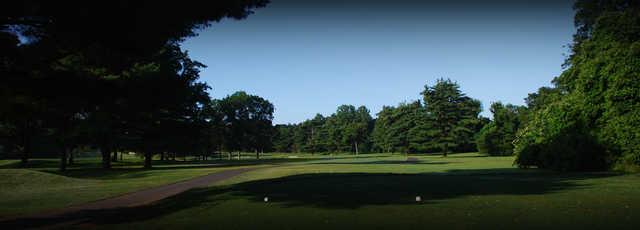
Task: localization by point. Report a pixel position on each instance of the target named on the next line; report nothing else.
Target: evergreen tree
(448, 107)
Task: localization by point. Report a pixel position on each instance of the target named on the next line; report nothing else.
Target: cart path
(139, 198)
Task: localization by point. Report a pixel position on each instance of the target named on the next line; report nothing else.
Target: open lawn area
(370, 191)
(41, 186)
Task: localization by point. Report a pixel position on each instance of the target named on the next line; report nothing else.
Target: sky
(310, 57)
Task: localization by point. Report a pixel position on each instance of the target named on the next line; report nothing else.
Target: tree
(404, 118)
(115, 44)
(588, 120)
(446, 104)
(83, 57)
(247, 120)
(496, 137)
(283, 140)
(215, 128)
(470, 124)
(20, 106)
(350, 127)
(307, 135)
(358, 129)
(155, 120)
(405, 128)
(381, 135)
(544, 96)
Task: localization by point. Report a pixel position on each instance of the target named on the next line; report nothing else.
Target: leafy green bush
(558, 138)
(593, 123)
(496, 137)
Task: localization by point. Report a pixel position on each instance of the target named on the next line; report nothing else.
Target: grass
(41, 187)
(462, 191)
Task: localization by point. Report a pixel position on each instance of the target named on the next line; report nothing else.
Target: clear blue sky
(310, 58)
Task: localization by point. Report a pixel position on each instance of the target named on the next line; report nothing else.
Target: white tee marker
(418, 198)
(266, 199)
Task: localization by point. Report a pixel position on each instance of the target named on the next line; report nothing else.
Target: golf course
(320, 114)
(368, 191)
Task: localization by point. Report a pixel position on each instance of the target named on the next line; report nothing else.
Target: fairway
(41, 187)
(378, 191)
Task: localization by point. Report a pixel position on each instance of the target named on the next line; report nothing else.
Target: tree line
(75, 75)
(445, 121)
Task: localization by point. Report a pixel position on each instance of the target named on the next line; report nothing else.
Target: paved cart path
(138, 198)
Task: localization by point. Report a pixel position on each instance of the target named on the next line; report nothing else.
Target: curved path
(138, 198)
(151, 195)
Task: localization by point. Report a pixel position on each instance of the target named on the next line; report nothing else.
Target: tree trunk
(106, 157)
(71, 162)
(147, 160)
(257, 154)
(445, 149)
(229, 154)
(121, 155)
(238, 155)
(162, 156)
(356, 144)
(63, 159)
(27, 131)
(26, 151)
(115, 155)
(24, 159)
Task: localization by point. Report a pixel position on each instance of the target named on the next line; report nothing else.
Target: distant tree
(470, 124)
(447, 106)
(247, 120)
(381, 132)
(307, 135)
(421, 136)
(283, 140)
(496, 137)
(315, 142)
(357, 130)
(404, 118)
(215, 127)
(260, 124)
(351, 127)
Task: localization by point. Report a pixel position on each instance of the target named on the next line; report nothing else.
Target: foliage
(347, 130)
(454, 114)
(80, 76)
(496, 137)
(246, 121)
(591, 120)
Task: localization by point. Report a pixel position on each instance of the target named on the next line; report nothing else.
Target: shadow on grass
(95, 163)
(385, 162)
(129, 170)
(339, 191)
(354, 190)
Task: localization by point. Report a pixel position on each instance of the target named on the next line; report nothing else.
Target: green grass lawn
(462, 191)
(41, 187)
